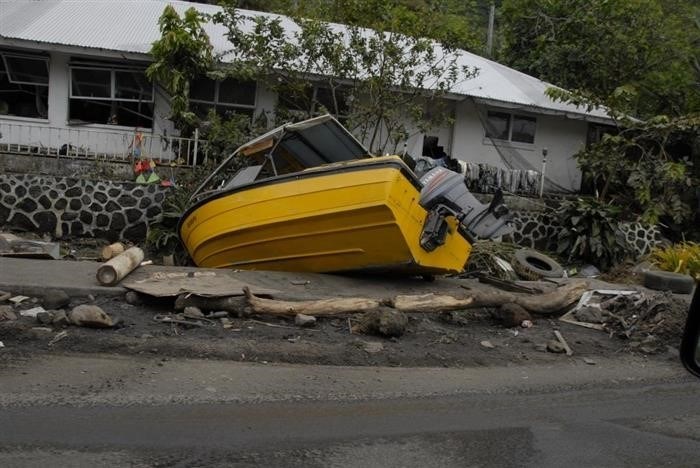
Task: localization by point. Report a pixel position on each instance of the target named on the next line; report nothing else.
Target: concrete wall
(67, 206)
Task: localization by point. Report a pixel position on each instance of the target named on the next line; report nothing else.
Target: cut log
(116, 269)
(317, 308)
(112, 251)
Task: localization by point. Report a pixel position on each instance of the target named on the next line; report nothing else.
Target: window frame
(216, 102)
(28, 57)
(113, 83)
(511, 118)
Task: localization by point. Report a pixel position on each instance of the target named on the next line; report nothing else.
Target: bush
(590, 233)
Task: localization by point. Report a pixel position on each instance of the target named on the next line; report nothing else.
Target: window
(318, 100)
(111, 95)
(24, 85)
(511, 127)
(226, 97)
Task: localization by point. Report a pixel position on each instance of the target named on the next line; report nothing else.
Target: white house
(72, 81)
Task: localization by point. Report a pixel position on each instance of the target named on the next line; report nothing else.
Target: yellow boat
(323, 205)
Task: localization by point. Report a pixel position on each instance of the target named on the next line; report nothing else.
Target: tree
(382, 83)
(182, 53)
(647, 47)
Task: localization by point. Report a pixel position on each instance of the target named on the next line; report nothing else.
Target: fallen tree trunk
(542, 304)
(316, 308)
(430, 303)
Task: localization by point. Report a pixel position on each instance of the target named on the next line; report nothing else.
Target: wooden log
(112, 250)
(116, 269)
(542, 304)
(430, 303)
(317, 308)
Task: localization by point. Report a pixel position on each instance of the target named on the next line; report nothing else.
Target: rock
(373, 347)
(303, 320)
(487, 344)
(589, 314)
(60, 318)
(226, 322)
(589, 361)
(513, 315)
(33, 312)
(45, 318)
(383, 321)
(90, 316)
(55, 299)
(193, 312)
(7, 313)
(133, 298)
(554, 346)
(527, 324)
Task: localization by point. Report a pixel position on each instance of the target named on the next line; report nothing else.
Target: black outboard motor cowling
(445, 193)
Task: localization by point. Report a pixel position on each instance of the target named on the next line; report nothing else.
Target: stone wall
(68, 206)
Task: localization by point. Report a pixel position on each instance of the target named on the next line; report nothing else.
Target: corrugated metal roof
(132, 26)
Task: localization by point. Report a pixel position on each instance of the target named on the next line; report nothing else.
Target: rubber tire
(667, 281)
(533, 265)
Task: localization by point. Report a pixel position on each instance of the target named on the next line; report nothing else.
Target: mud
(449, 340)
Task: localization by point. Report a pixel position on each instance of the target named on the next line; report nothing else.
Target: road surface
(115, 411)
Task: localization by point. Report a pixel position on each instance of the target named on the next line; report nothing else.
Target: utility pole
(489, 37)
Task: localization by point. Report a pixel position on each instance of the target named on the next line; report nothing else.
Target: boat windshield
(290, 148)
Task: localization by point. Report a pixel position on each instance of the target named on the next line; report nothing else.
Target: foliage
(590, 234)
(647, 49)
(384, 85)
(648, 167)
(163, 238)
(683, 258)
(182, 53)
(224, 135)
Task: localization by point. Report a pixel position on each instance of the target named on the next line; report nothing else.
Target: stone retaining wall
(67, 206)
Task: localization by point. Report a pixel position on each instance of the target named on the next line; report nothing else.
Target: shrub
(590, 233)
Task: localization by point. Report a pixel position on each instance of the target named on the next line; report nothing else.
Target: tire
(533, 265)
(668, 281)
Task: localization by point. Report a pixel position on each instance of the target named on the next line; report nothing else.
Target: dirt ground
(469, 338)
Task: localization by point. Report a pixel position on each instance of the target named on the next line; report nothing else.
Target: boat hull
(355, 216)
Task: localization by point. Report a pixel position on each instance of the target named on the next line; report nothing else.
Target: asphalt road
(105, 411)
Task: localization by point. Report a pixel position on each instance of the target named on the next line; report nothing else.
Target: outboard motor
(444, 193)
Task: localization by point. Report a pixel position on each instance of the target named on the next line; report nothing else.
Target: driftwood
(430, 303)
(116, 269)
(316, 308)
(544, 304)
(540, 304)
(236, 304)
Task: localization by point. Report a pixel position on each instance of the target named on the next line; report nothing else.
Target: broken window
(24, 85)
(111, 95)
(226, 97)
(511, 127)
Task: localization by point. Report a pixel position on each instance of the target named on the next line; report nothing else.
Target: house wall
(561, 136)
(56, 131)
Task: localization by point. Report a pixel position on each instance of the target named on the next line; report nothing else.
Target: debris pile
(648, 320)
